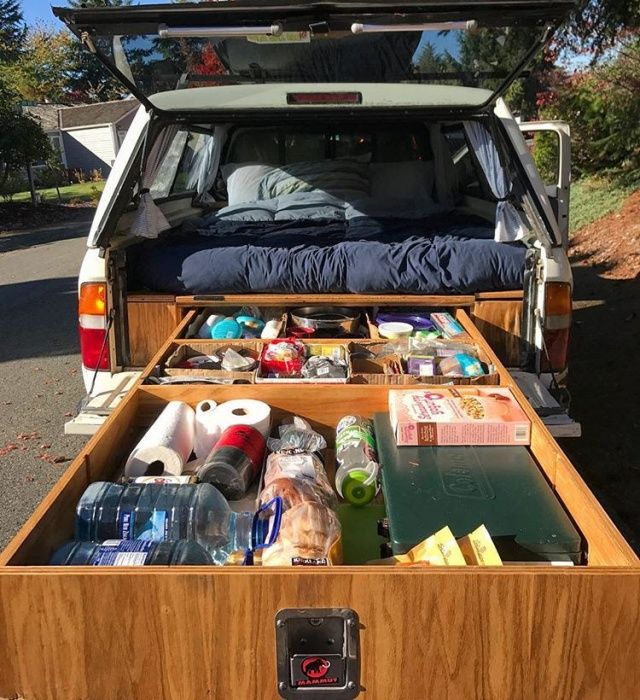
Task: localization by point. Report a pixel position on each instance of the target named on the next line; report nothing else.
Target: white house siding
(90, 147)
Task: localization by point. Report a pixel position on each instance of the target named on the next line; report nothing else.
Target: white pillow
(411, 179)
(243, 180)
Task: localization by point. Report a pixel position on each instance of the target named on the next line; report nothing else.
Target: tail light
(92, 316)
(557, 324)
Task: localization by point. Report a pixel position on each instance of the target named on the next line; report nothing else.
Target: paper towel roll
(169, 441)
(205, 328)
(244, 412)
(207, 429)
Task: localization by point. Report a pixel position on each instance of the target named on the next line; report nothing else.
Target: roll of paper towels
(168, 441)
(244, 412)
(205, 328)
(207, 429)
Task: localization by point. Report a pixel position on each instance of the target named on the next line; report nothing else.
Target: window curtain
(149, 221)
(205, 167)
(509, 226)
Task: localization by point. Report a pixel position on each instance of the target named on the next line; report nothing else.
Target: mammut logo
(315, 667)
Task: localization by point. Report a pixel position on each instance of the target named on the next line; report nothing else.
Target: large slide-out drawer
(195, 632)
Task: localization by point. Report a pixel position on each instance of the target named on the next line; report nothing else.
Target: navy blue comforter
(440, 255)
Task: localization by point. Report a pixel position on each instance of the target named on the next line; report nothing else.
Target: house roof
(98, 113)
(45, 114)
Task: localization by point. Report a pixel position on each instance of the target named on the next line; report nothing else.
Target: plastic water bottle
(131, 553)
(163, 512)
(357, 458)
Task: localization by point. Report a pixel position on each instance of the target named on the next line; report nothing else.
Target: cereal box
(458, 416)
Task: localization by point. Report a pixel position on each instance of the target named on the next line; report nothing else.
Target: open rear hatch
(159, 48)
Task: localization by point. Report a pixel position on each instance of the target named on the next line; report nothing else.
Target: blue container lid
(229, 329)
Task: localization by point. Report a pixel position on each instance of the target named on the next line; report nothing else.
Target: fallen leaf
(60, 458)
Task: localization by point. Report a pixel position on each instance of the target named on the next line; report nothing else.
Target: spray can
(235, 461)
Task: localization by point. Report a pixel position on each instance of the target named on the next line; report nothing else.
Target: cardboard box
(458, 416)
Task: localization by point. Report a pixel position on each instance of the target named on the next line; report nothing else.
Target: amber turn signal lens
(557, 299)
(93, 299)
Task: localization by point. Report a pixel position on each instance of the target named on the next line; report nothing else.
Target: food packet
(440, 348)
(320, 367)
(294, 455)
(283, 358)
(478, 548)
(233, 361)
(461, 365)
(441, 549)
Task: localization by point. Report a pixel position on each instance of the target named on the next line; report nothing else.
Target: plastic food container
(395, 329)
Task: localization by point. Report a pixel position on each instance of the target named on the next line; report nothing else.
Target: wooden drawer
(529, 632)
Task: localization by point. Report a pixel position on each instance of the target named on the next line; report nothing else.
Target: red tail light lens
(91, 348)
(92, 312)
(558, 307)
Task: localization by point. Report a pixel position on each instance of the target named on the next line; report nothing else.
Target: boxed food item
(458, 416)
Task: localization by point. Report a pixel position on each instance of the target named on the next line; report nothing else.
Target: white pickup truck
(288, 157)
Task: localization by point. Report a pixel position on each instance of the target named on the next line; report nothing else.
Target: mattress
(445, 254)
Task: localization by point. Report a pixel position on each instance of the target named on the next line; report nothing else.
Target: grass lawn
(82, 191)
(593, 198)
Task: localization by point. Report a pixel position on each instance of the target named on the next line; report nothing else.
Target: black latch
(318, 653)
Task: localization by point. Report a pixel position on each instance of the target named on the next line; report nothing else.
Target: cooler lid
(426, 488)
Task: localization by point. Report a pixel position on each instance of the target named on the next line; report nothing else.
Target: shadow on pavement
(38, 319)
(16, 240)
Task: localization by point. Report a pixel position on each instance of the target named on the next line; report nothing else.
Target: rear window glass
(278, 146)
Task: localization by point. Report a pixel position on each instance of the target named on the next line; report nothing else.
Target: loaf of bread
(307, 531)
(294, 492)
(299, 467)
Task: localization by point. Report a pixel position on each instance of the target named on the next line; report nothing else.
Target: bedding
(445, 254)
(330, 176)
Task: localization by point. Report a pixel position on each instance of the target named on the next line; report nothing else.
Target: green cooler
(426, 488)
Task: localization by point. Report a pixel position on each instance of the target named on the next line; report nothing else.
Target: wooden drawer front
(499, 634)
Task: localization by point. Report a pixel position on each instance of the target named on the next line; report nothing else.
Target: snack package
(478, 548)
(283, 358)
(441, 549)
(461, 365)
(319, 367)
(448, 325)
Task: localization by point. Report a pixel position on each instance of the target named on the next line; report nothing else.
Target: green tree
(602, 104)
(12, 31)
(595, 26)
(42, 74)
(88, 80)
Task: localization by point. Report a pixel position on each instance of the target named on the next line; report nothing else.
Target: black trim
(148, 17)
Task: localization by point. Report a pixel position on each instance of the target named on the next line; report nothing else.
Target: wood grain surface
(150, 323)
(430, 634)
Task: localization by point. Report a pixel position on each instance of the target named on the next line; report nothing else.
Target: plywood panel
(150, 322)
(500, 322)
(496, 634)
